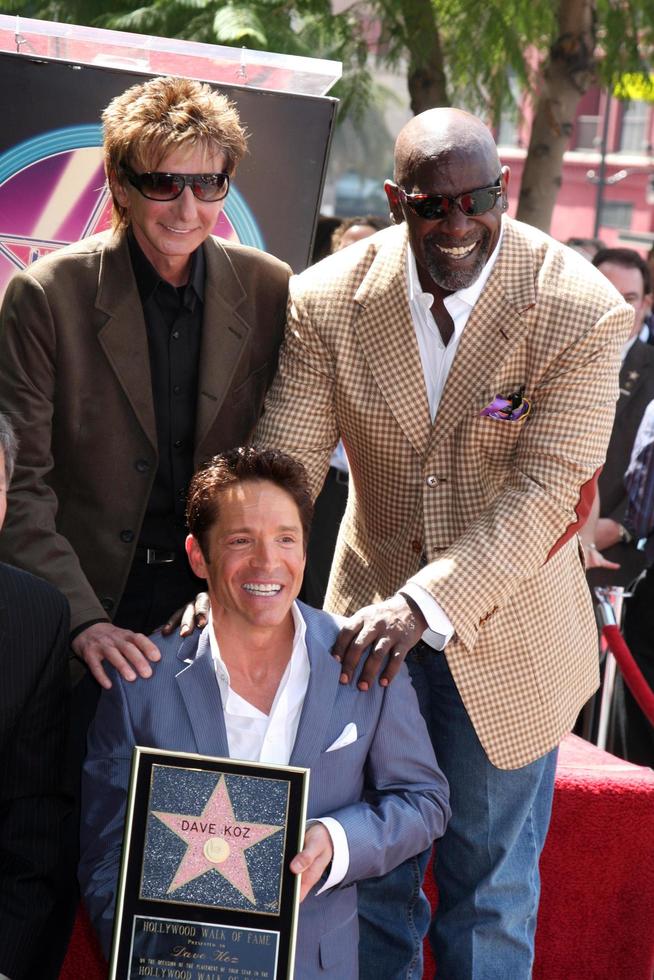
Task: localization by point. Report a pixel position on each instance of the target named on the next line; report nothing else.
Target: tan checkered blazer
(485, 501)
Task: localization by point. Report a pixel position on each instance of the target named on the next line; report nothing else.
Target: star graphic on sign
(215, 841)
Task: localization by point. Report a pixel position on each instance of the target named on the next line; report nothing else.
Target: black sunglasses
(166, 187)
(436, 206)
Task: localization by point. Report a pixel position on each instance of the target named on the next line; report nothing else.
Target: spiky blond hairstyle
(149, 121)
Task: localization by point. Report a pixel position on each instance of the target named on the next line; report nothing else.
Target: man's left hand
(390, 629)
(314, 857)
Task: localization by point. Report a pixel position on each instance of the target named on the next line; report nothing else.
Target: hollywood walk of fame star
(215, 841)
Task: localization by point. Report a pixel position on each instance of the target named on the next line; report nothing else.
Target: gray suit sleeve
(406, 803)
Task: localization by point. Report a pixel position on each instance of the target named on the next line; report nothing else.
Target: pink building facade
(627, 212)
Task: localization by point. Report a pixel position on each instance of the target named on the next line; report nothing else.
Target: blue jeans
(486, 864)
(394, 916)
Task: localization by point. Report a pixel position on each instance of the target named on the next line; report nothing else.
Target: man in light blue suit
(259, 684)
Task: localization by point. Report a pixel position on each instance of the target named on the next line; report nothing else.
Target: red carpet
(596, 918)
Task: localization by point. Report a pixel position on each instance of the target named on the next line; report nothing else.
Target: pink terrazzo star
(215, 840)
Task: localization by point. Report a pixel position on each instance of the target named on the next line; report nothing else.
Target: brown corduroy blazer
(75, 380)
(484, 502)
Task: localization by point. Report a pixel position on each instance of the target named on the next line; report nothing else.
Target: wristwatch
(625, 537)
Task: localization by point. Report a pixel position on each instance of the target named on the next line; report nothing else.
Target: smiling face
(451, 153)
(254, 558)
(168, 232)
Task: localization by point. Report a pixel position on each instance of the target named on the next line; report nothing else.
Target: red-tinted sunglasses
(435, 206)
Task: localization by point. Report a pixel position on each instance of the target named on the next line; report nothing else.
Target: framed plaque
(205, 890)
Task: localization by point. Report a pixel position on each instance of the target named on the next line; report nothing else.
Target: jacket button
(127, 536)
(142, 465)
(432, 481)
(107, 603)
(416, 546)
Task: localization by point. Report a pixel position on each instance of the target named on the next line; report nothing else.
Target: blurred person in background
(588, 247)
(633, 734)
(611, 545)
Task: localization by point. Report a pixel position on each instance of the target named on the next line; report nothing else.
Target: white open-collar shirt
(256, 737)
(437, 360)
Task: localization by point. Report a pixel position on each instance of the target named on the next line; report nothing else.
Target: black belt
(155, 556)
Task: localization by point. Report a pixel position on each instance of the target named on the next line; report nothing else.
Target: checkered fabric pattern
(483, 501)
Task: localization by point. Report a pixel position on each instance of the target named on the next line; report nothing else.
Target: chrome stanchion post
(610, 599)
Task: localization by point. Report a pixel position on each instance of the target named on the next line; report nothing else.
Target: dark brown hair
(246, 464)
(627, 258)
(373, 221)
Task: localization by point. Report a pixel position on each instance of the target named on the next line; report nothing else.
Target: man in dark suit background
(34, 625)
(630, 275)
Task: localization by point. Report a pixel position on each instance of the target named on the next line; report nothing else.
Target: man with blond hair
(125, 360)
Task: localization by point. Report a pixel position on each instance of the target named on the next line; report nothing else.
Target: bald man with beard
(470, 365)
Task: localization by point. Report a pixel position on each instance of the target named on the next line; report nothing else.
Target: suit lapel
(385, 331)
(495, 327)
(224, 336)
(123, 336)
(319, 699)
(199, 689)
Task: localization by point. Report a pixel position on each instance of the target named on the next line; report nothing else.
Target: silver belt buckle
(152, 559)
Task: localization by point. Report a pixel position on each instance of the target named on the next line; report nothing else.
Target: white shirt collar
(469, 295)
(298, 652)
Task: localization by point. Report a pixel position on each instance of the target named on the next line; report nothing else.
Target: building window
(635, 127)
(588, 137)
(508, 131)
(616, 214)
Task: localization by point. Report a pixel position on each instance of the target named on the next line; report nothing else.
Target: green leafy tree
(453, 51)
(593, 41)
(304, 27)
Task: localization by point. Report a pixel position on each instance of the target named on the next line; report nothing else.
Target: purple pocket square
(508, 408)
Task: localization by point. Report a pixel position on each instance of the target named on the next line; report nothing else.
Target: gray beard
(449, 278)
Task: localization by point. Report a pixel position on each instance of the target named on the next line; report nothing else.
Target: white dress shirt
(256, 737)
(436, 360)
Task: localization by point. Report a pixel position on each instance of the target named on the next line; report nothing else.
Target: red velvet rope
(634, 680)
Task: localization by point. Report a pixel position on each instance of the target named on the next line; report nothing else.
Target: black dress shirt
(173, 321)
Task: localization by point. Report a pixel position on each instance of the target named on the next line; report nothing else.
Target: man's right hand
(128, 652)
(193, 616)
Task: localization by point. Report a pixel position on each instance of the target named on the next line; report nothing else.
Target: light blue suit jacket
(385, 788)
